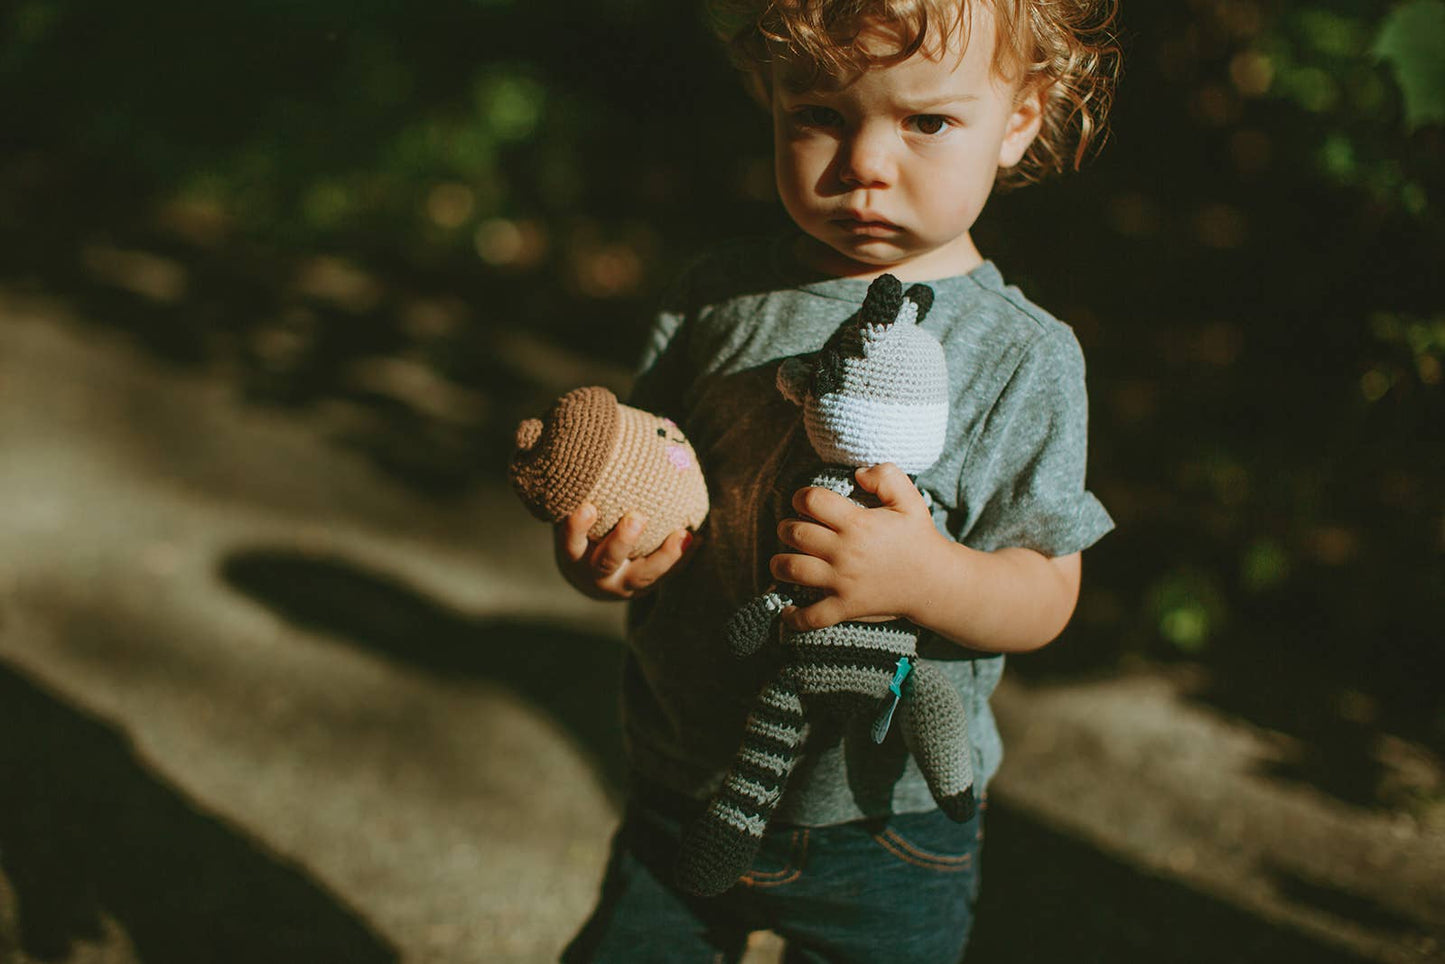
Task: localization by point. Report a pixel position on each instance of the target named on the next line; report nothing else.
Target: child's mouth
(871, 227)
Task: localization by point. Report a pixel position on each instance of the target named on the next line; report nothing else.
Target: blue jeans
(893, 889)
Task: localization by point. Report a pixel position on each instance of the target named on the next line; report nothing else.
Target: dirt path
(254, 697)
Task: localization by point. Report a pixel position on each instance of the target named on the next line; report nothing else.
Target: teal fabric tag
(890, 702)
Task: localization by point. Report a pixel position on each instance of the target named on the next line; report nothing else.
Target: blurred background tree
(415, 225)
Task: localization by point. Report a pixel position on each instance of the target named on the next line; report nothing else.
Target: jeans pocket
(931, 841)
(781, 858)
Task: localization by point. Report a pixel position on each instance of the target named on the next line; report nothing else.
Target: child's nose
(864, 160)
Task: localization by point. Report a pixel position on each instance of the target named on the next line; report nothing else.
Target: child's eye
(930, 124)
(818, 117)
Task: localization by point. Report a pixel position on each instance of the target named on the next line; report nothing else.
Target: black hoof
(959, 807)
(712, 859)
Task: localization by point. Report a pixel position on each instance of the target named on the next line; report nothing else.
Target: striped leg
(936, 731)
(720, 847)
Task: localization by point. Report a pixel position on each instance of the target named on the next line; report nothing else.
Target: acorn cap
(559, 457)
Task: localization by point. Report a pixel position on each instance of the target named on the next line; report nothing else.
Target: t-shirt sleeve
(1023, 477)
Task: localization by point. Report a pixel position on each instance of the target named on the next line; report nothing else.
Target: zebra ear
(793, 375)
(881, 304)
(922, 296)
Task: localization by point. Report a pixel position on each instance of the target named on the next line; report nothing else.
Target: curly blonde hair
(1066, 48)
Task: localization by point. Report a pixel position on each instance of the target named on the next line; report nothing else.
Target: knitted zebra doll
(876, 392)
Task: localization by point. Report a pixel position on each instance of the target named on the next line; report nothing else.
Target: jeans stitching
(789, 873)
(905, 851)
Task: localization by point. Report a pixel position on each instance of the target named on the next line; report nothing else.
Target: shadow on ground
(571, 676)
(87, 831)
(1049, 897)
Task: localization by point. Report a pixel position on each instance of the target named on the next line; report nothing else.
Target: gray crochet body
(872, 395)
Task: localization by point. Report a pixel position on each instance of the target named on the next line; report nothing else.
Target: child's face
(890, 171)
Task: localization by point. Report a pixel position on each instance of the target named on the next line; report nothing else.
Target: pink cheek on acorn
(679, 458)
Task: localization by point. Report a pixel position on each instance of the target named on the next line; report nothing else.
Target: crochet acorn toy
(877, 392)
(591, 448)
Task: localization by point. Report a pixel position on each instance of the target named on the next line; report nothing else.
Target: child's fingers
(890, 483)
(571, 532)
(673, 548)
(823, 505)
(808, 537)
(801, 570)
(613, 551)
(642, 573)
(828, 611)
(822, 614)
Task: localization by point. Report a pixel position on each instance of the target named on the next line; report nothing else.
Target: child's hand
(869, 560)
(602, 569)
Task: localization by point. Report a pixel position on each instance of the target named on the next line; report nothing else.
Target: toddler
(893, 121)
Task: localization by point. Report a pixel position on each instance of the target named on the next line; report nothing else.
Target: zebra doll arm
(935, 730)
(756, 621)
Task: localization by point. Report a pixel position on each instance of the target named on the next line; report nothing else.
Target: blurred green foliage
(417, 215)
(1411, 39)
(1189, 609)
(1328, 60)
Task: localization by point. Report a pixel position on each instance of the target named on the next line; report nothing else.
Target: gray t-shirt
(1012, 474)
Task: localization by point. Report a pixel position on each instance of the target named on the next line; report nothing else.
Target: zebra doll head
(878, 390)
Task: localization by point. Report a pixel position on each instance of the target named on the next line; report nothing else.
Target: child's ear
(1023, 125)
